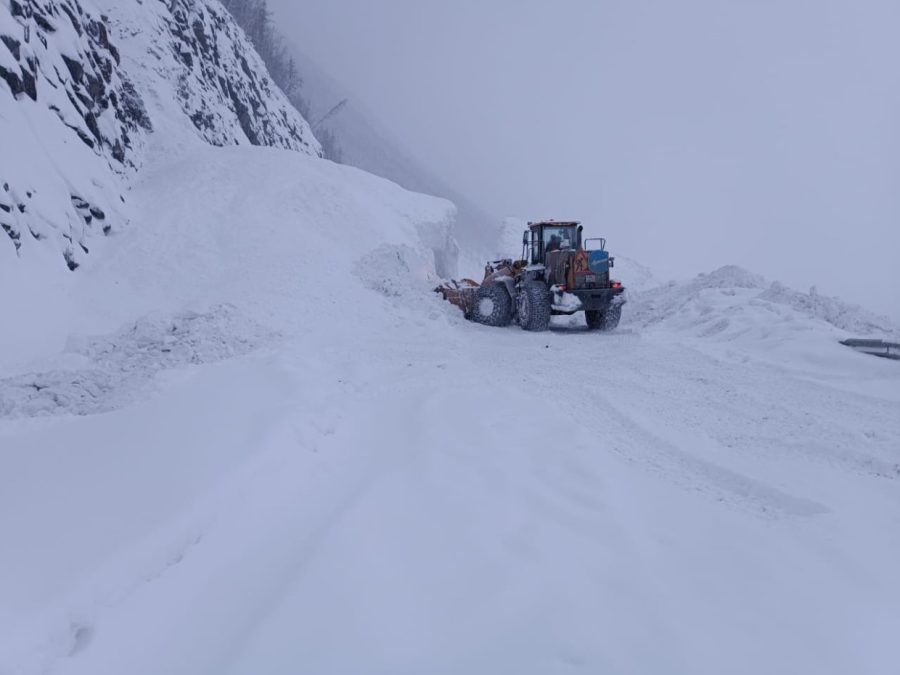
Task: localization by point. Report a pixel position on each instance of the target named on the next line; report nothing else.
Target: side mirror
(612, 261)
(525, 238)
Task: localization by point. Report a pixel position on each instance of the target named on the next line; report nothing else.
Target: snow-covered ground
(248, 440)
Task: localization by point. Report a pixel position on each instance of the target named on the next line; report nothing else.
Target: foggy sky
(691, 134)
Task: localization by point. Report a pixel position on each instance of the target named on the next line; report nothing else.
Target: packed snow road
(380, 487)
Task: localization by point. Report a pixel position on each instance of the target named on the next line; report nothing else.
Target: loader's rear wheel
(597, 320)
(492, 306)
(534, 306)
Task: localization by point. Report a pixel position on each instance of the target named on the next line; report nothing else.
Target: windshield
(556, 238)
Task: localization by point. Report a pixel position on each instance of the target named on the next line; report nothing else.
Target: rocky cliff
(90, 90)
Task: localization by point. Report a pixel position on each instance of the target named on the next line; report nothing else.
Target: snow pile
(82, 91)
(113, 370)
(281, 235)
(732, 303)
(847, 317)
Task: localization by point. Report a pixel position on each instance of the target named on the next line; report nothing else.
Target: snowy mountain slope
(191, 52)
(84, 84)
(375, 485)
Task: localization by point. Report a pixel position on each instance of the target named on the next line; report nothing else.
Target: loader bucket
(460, 293)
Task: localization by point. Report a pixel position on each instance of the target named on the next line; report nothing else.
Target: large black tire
(597, 320)
(533, 304)
(492, 306)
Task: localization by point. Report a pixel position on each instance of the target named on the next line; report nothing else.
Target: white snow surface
(330, 471)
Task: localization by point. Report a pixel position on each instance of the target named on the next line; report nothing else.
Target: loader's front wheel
(534, 306)
(492, 306)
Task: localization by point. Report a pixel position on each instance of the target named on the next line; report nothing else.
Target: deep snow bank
(289, 240)
(283, 236)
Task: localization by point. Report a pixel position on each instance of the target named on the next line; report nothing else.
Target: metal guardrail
(888, 350)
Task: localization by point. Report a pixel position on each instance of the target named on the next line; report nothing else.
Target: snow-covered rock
(83, 86)
(71, 122)
(193, 53)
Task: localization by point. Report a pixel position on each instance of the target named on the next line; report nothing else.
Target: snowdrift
(740, 316)
(731, 304)
(282, 237)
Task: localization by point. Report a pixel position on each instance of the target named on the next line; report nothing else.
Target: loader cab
(544, 237)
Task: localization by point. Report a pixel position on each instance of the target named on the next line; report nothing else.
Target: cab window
(556, 238)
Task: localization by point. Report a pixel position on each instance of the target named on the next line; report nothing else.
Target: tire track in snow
(247, 542)
(765, 415)
(597, 419)
(710, 479)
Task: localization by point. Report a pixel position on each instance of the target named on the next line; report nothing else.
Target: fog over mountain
(764, 134)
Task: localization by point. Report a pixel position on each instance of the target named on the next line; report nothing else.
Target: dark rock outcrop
(86, 69)
(223, 81)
